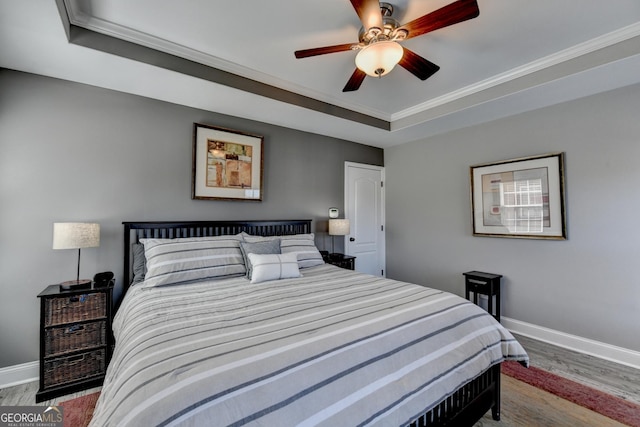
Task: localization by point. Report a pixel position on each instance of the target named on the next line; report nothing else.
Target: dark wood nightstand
(486, 284)
(75, 339)
(340, 260)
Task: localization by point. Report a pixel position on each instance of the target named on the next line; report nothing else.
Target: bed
(300, 343)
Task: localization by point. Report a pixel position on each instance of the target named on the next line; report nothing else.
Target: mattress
(334, 348)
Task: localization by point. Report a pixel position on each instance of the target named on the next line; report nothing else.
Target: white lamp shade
(379, 58)
(339, 227)
(75, 235)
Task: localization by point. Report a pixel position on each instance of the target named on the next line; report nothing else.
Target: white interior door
(364, 207)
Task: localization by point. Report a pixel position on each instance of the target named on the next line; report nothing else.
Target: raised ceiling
(516, 56)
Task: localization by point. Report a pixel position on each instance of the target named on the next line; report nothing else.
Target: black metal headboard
(134, 231)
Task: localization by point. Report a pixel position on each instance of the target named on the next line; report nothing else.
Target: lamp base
(72, 285)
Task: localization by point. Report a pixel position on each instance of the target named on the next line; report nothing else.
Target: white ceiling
(516, 56)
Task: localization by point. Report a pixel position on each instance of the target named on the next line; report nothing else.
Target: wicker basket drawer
(62, 339)
(66, 369)
(75, 308)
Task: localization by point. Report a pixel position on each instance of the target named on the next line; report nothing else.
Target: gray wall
(588, 285)
(71, 152)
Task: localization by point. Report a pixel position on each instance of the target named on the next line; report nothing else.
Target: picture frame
(520, 198)
(227, 164)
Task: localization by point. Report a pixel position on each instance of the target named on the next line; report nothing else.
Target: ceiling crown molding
(82, 20)
(603, 42)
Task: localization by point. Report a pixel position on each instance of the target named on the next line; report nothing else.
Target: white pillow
(303, 245)
(273, 267)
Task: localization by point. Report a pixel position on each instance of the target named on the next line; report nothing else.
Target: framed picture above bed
(227, 164)
(520, 198)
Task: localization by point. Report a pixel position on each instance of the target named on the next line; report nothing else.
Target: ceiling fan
(379, 50)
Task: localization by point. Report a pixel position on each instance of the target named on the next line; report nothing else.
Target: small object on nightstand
(75, 285)
(486, 284)
(75, 339)
(340, 260)
(101, 280)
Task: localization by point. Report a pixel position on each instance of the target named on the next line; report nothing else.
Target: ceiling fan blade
(305, 53)
(453, 13)
(369, 13)
(355, 81)
(417, 65)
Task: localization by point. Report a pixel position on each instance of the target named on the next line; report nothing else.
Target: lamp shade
(379, 58)
(75, 235)
(339, 227)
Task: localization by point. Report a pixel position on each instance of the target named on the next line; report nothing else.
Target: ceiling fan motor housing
(386, 9)
(388, 30)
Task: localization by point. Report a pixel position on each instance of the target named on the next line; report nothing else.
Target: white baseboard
(27, 372)
(19, 374)
(573, 342)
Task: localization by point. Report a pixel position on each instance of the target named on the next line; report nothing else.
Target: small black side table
(484, 283)
(340, 260)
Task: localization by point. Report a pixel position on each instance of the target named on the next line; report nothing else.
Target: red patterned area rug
(78, 412)
(603, 403)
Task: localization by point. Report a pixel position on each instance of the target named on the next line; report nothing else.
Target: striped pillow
(303, 245)
(184, 260)
(273, 267)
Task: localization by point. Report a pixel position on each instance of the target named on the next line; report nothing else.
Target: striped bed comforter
(333, 348)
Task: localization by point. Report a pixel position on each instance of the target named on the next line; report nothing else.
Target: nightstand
(486, 284)
(340, 260)
(75, 339)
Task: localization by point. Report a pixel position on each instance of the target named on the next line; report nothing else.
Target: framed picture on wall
(520, 198)
(227, 164)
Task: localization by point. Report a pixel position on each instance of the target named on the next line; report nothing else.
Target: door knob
(352, 239)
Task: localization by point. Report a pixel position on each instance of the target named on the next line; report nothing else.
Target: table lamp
(338, 227)
(75, 235)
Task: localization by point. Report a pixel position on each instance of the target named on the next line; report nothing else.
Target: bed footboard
(467, 404)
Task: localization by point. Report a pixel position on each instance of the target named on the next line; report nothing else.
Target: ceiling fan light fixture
(378, 59)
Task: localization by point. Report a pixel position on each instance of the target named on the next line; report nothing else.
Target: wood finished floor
(619, 380)
(527, 406)
(522, 405)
